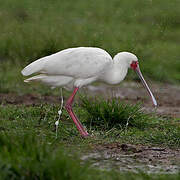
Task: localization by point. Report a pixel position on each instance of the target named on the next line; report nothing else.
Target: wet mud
(134, 158)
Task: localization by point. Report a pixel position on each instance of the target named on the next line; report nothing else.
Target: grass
(110, 114)
(128, 122)
(26, 157)
(142, 128)
(148, 29)
(36, 29)
(29, 149)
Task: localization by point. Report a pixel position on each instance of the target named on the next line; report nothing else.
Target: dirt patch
(168, 97)
(126, 157)
(27, 99)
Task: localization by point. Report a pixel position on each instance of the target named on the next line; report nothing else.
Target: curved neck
(115, 73)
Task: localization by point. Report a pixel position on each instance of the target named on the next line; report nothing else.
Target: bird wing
(82, 62)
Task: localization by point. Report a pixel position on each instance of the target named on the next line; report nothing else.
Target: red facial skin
(134, 65)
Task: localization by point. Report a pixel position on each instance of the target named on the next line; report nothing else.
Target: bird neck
(115, 73)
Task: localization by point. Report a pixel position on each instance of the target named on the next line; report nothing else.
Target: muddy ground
(135, 158)
(168, 97)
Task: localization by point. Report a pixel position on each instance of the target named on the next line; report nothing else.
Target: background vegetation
(33, 28)
(151, 29)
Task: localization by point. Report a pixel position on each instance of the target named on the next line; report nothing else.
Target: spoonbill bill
(77, 67)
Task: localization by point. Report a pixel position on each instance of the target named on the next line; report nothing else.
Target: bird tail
(39, 77)
(34, 67)
(53, 81)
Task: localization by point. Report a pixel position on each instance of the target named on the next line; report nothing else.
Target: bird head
(131, 61)
(126, 58)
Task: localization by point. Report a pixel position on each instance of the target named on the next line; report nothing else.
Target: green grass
(29, 157)
(32, 29)
(128, 122)
(29, 149)
(110, 114)
(142, 128)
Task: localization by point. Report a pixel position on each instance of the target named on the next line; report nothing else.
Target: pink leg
(68, 107)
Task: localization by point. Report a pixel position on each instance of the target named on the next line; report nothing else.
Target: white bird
(77, 67)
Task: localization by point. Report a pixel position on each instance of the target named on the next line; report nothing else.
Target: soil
(126, 157)
(167, 96)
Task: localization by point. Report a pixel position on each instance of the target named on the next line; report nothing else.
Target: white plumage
(77, 67)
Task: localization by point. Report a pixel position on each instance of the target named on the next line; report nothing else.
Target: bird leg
(68, 107)
(59, 113)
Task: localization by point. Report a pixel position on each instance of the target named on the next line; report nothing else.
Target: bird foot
(85, 135)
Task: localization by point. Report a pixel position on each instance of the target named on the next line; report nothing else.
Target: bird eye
(134, 65)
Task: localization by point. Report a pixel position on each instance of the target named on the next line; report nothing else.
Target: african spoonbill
(77, 67)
